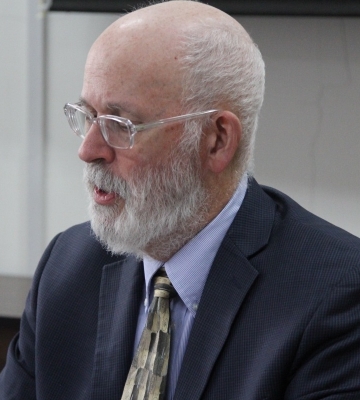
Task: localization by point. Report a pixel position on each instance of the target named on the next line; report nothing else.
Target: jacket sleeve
(327, 365)
(17, 379)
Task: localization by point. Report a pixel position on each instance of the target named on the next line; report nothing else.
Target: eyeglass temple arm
(149, 125)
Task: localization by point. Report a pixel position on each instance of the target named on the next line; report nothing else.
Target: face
(143, 196)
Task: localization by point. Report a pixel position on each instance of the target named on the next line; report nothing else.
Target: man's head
(162, 61)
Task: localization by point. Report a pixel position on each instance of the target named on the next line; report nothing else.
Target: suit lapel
(223, 295)
(230, 279)
(120, 296)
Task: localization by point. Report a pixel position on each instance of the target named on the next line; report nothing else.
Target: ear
(222, 141)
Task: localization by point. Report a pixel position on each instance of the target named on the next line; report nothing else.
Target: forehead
(134, 64)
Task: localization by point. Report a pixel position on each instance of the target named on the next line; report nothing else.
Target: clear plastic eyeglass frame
(118, 132)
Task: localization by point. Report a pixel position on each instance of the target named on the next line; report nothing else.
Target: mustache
(98, 175)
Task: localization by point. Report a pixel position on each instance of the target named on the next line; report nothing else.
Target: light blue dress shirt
(188, 270)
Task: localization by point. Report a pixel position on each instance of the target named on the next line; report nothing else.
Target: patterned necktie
(147, 376)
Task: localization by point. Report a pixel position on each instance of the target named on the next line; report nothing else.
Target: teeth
(100, 190)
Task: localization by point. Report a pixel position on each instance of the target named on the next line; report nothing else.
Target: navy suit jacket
(279, 317)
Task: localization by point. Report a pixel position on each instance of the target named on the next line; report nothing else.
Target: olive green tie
(147, 376)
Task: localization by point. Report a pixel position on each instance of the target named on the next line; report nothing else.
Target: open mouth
(102, 197)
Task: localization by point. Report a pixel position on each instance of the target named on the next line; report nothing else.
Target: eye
(87, 122)
(87, 109)
(116, 127)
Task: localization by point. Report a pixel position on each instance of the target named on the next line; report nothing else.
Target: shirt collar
(189, 267)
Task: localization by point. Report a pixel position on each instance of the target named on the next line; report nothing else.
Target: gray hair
(223, 67)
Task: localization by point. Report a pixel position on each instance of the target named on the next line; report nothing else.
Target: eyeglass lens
(115, 132)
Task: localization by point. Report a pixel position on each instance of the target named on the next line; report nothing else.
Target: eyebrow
(84, 103)
(115, 108)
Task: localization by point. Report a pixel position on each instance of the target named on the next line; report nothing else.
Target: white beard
(165, 206)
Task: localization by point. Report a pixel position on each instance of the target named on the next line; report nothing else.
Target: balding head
(168, 20)
(192, 56)
(152, 41)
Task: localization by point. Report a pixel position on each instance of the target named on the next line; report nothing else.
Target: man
(268, 295)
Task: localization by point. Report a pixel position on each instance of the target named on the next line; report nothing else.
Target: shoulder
(313, 254)
(305, 223)
(76, 247)
(74, 259)
(296, 242)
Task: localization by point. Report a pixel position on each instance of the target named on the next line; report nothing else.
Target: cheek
(151, 148)
(123, 166)
(127, 162)
(168, 140)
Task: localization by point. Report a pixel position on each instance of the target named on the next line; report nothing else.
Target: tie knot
(163, 287)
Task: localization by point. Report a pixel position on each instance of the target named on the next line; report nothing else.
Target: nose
(94, 147)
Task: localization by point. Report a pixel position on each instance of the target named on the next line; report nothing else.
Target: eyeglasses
(118, 132)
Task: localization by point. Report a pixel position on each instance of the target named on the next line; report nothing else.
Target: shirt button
(195, 307)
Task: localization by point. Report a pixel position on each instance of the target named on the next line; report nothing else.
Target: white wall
(13, 106)
(308, 143)
(308, 140)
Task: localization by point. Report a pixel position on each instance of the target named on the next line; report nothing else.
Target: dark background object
(8, 328)
(239, 7)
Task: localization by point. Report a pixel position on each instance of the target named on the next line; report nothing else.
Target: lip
(104, 198)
